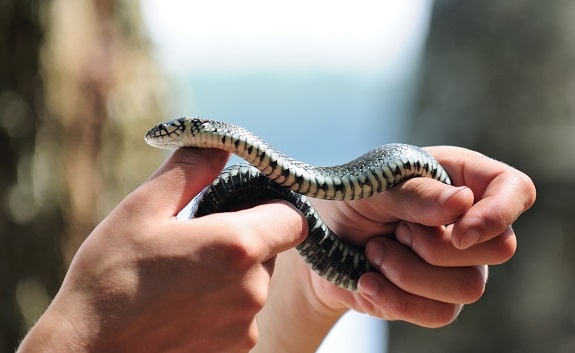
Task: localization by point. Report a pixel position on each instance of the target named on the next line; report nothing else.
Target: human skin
(145, 281)
(426, 271)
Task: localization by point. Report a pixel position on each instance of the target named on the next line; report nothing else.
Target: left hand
(426, 270)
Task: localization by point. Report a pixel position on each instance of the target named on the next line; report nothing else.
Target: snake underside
(328, 255)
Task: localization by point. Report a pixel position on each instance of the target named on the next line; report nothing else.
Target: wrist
(293, 319)
(56, 332)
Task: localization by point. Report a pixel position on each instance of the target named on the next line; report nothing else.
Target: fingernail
(369, 285)
(403, 234)
(375, 251)
(470, 238)
(448, 193)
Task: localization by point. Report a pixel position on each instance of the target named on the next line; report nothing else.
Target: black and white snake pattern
(273, 175)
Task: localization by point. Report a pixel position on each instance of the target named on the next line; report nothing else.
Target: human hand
(427, 271)
(144, 281)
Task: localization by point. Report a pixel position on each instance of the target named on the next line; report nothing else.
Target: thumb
(182, 176)
(261, 231)
(429, 202)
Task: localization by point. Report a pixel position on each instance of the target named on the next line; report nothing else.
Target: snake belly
(274, 175)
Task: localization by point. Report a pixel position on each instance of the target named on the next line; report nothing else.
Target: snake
(271, 174)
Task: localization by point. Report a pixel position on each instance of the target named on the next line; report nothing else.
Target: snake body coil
(273, 175)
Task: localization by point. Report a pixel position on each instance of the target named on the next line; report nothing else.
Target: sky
(227, 35)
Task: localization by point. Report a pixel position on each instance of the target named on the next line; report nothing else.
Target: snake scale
(274, 175)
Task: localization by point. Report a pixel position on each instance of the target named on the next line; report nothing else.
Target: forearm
(293, 320)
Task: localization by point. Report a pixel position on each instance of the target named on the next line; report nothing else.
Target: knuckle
(255, 299)
(402, 276)
(250, 240)
(473, 287)
(253, 292)
(527, 185)
(446, 316)
(413, 191)
(436, 314)
(399, 308)
(252, 336)
(434, 257)
(242, 250)
(497, 218)
(286, 219)
(432, 250)
(503, 247)
(249, 303)
(298, 226)
(250, 342)
(245, 339)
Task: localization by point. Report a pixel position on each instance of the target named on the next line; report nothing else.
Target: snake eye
(173, 122)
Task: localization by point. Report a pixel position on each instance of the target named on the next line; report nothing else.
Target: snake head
(170, 134)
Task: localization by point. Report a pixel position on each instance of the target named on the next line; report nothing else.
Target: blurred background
(81, 81)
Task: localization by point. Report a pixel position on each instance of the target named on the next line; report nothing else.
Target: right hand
(144, 281)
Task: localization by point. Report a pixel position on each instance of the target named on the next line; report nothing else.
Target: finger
(419, 200)
(391, 303)
(406, 270)
(504, 200)
(434, 245)
(502, 193)
(184, 174)
(427, 201)
(255, 234)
